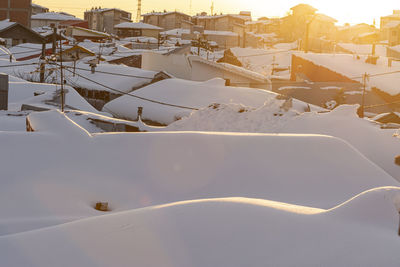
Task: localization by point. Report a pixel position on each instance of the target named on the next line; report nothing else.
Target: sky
(345, 11)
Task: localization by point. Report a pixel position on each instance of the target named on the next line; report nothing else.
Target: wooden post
(3, 92)
(363, 95)
(42, 63)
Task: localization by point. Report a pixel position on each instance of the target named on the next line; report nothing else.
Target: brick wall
(16, 10)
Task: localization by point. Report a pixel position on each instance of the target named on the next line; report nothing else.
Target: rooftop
(138, 25)
(53, 16)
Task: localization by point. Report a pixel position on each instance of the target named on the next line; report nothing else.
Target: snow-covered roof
(304, 6)
(392, 24)
(137, 25)
(180, 31)
(245, 18)
(164, 13)
(4, 24)
(183, 93)
(322, 17)
(53, 16)
(353, 68)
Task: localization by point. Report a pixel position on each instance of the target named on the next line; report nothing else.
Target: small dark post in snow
(101, 206)
(397, 160)
(139, 113)
(3, 92)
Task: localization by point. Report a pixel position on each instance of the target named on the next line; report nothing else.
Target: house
(382, 91)
(105, 19)
(387, 22)
(129, 29)
(51, 18)
(76, 52)
(15, 33)
(80, 34)
(37, 9)
(167, 20)
(16, 11)
(223, 39)
(307, 25)
(360, 33)
(393, 32)
(195, 68)
(227, 22)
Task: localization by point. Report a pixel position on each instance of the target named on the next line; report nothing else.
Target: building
(387, 22)
(130, 29)
(195, 68)
(167, 20)
(313, 30)
(105, 19)
(16, 11)
(37, 9)
(80, 34)
(392, 32)
(360, 33)
(227, 22)
(50, 18)
(15, 33)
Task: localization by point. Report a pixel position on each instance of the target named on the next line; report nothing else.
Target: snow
(262, 60)
(138, 25)
(53, 16)
(22, 92)
(184, 93)
(221, 232)
(342, 122)
(4, 24)
(364, 49)
(178, 32)
(353, 68)
(119, 77)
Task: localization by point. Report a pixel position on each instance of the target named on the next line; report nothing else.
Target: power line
(132, 95)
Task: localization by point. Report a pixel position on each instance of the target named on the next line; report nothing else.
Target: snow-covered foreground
(221, 232)
(377, 144)
(57, 174)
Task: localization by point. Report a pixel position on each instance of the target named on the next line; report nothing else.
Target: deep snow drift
(221, 232)
(75, 169)
(188, 94)
(377, 144)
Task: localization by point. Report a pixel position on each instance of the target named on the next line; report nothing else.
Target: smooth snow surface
(221, 232)
(74, 170)
(376, 144)
(188, 94)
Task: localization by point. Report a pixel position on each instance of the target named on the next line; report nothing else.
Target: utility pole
(365, 77)
(42, 63)
(139, 11)
(62, 78)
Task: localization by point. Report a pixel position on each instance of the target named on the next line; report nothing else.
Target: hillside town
(204, 139)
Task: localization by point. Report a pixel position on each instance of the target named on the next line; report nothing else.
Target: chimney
(3, 92)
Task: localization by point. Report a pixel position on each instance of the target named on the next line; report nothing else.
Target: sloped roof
(5, 24)
(138, 25)
(304, 6)
(164, 13)
(392, 24)
(53, 16)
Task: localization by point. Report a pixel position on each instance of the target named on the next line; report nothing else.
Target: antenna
(212, 8)
(190, 8)
(139, 11)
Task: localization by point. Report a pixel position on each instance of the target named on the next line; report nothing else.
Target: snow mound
(380, 146)
(211, 232)
(56, 122)
(188, 94)
(377, 207)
